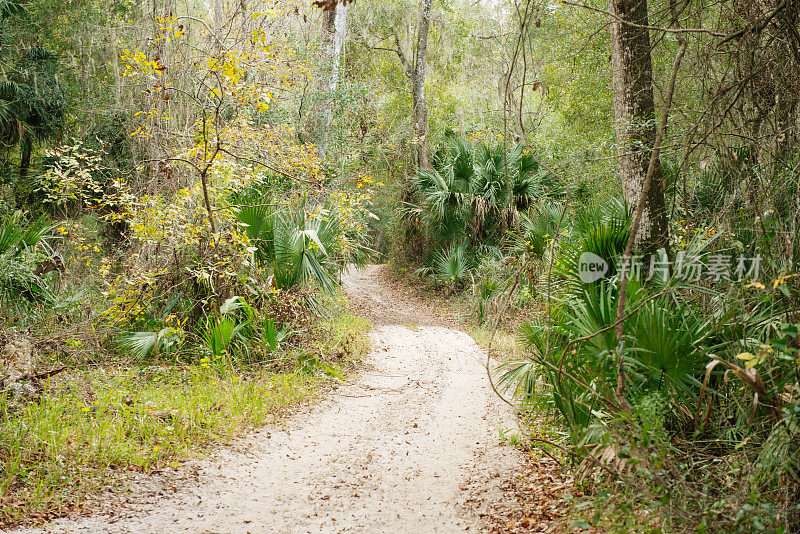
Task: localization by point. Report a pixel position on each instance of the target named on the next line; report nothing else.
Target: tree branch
(407, 67)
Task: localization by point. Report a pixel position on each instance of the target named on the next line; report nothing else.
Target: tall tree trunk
(219, 21)
(505, 92)
(415, 70)
(334, 55)
(635, 118)
(244, 26)
(422, 150)
(316, 108)
(160, 50)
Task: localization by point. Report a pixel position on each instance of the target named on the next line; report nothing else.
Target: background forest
(184, 183)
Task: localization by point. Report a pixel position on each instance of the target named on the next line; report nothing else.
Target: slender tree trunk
(419, 73)
(219, 21)
(26, 146)
(244, 25)
(506, 94)
(635, 119)
(316, 109)
(334, 56)
(415, 70)
(310, 120)
(159, 50)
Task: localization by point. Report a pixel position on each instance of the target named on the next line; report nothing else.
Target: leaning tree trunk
(635, 118)
(422, 151)
(505, 92)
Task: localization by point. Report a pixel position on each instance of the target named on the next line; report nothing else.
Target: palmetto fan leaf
(538, 228)
(667, 341)
(17, 238)
(12, 127)
(16, 235)
(300, 248)
(452, 265)
(141, 344)
(594, 310)
(477, 193)
(255, 211)
(304, 250)
(443, 194)
(601, 229)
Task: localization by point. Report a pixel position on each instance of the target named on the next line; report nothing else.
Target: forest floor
(411, 445)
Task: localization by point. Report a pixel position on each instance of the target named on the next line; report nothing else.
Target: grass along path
(411, 446)
(102, 428)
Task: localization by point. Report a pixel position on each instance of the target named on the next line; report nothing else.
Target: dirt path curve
(410, 446)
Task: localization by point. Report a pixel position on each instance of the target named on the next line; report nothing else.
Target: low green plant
(20, 243)
(488, 289)
(452, 265)
(143, 344)
(473, 196)
(273, 337)
(300, 247)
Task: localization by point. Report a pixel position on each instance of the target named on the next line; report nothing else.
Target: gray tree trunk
(316, 109)
(419, 73)
(634, 110)
(334, 58)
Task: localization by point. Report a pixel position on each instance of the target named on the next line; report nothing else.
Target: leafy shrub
(298, 246)
(478, 193)
(709, 368)
(19, 241)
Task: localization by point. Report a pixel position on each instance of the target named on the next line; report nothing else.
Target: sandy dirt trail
(409, 446)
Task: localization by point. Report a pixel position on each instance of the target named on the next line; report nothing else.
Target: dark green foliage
(298, 247)
(669, 342)
(726, 175)
(474, 195)
(601, 229)
(305, 250)
(452, 265)
(35, 104)
(19, 241)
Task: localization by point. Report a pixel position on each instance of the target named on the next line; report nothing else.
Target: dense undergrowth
(705, 435)
(151, 307)
(149, 371)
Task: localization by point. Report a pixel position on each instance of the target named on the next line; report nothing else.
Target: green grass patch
(92, 425)
(80, 435)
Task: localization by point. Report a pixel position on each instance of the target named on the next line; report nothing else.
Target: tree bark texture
(335, 46)
(422, 151)
(634, 110)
